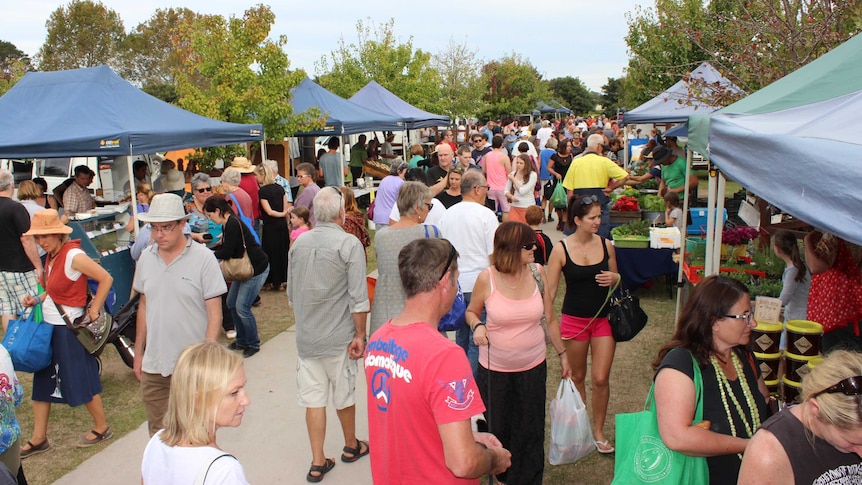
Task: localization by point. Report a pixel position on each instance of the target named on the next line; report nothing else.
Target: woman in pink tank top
(512, 349)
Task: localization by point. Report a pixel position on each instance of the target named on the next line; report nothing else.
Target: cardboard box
(664, 237)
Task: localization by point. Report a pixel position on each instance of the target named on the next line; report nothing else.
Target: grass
(631, 376)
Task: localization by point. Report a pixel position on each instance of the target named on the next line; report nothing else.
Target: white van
(112, 173)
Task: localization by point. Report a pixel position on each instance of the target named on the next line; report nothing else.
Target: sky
(577, 38)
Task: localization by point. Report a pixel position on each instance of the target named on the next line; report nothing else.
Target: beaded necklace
(725, 389)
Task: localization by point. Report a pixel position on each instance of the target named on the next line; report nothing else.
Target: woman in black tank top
(589, 265)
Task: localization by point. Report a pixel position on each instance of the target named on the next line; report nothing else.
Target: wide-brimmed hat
(164, 208)
(661, 154)
(242, 165)
(47, 221)
(174, 180)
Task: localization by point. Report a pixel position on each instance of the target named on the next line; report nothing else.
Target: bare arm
(465, 457)
(214, 318)
(140, 335)
(357, 346)
(554, 270)
(32, 254)
(611, 276)
(264, 204)
(554, 326)
(766, 461)
(815, 263)
(675, 407)
(481, 290)
(92, 269)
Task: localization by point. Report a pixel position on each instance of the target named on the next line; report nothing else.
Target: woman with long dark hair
(558, 166)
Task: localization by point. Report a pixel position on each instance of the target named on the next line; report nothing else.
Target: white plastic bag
(571, 431)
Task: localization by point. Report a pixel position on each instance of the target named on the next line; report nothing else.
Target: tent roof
(796, 142)
(543, 107)
(95, 112)
(343, 117)
(375, 97)
(676, 104)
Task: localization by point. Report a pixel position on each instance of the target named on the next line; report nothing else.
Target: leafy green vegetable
(652, 203)
(634, 228)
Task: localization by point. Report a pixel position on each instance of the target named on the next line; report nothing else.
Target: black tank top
(812, 458)
(584, 296)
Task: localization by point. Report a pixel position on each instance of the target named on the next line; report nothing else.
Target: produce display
(626, 204)
(639, 229)
(652, 203)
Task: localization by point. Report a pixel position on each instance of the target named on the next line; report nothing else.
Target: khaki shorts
(316, 378)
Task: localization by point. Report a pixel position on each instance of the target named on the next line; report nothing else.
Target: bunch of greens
(652, 203)
(632, 229)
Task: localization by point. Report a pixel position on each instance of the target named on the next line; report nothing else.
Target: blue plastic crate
(698, 221)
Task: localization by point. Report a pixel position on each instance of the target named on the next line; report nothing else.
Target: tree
(459, 68)
(82, 34)
(378, 56)
(152, 50)
(612, 95)
(512, 86)
(232, 71)
(13, 65)
(573, 93)
(751, 42)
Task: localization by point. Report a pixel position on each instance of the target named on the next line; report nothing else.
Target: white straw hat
(165, 208)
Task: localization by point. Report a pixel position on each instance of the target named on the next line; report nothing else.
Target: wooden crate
(625, 217)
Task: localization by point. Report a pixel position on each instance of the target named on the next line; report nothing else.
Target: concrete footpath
(271, 443)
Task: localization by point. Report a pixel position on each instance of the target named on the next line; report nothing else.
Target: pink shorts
(499, 196)
(575, 328)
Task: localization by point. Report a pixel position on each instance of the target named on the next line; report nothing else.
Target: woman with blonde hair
(207, 393)
(274, 211)
(818, 441)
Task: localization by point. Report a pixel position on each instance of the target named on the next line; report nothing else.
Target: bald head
(445, 156)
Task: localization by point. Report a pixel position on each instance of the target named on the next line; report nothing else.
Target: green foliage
(512, 85)
(165, 92)
(766, 260)
(82, 34)
(652, 203)
(612, 96)
(152, 51)
(13, 65)
(379, 56)
(573, 93)
(634, 228)
(232, 71)
(206, 157)
(461, 86)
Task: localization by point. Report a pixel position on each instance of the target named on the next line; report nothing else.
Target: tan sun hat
(242, 165)
(47, 221)
(165, 208)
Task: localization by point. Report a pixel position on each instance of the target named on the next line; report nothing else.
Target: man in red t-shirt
(421, 392)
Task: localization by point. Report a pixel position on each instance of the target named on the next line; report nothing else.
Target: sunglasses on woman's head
(852, 386)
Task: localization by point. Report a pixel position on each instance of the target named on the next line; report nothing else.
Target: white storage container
(664, 237)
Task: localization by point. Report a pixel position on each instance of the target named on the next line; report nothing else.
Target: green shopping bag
(642, 456)
(559, 199)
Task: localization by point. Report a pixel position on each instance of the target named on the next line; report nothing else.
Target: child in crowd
(673, 216)
(796, 280)
(300, 221)
(543, 242)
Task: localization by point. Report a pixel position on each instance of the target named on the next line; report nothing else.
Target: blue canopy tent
(343, 117)
(377, 98)
(545, 108)
(95, 112)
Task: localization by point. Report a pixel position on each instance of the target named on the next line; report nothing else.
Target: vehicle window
(54, 167)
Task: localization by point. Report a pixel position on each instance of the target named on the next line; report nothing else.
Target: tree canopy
(573, 93)
(152, 50)
(461, 85)
(512, 85)
(82, 34)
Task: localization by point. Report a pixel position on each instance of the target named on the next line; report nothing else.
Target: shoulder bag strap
(608, 297)
(698, 391)
(236, 204)
(241, 232)
(538, 278)
(202, 476)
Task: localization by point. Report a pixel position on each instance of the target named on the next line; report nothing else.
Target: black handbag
(626, 316)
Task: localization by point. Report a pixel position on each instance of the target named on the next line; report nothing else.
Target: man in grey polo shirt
(180, 284)
(327, 289)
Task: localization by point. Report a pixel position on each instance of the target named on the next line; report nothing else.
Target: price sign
(767, 309)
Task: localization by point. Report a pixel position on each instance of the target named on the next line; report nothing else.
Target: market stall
(95, 112)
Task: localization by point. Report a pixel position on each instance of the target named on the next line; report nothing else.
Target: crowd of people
(463, 224)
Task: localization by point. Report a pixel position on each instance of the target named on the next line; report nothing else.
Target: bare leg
(576, 352)
(603, 357)
(505, 216)
(315, 420)
(347, 416)
(41, 411)
(100, 423)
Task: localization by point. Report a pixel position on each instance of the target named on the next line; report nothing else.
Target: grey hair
(328, 204)
(231, 176)
(7, 180)
(397, 167)
(201, 178)
(272, 165)
(410, 196)
(471, 179)
(594, 140)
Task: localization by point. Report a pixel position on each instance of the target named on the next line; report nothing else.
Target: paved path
(271, 444)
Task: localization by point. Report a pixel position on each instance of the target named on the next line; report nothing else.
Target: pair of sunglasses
(852, 386)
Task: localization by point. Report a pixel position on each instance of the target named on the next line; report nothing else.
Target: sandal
(321, 470)
(35, 449)
(604, 447)
(99, 437)
(355, 452)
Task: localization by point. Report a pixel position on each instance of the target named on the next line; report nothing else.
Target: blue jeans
(464, 339)
(240, 296)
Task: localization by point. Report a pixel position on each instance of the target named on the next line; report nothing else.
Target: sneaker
(231, 334)
(248, 352)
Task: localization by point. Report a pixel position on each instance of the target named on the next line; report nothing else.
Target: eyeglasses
(748, 317)
(448, 261)
(164, 229)
(205, 189)
(428, 205)
(486, 187)
(529, 247)
(852, 386)
(301, 175)
(476, 140)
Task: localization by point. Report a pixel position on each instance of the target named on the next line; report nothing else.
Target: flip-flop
(356, 452)
(99, 437)
(604, 447)
(328, 465)
(35, 449)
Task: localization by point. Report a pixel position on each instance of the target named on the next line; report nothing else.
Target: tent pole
(719, 221)
(263, 148)
(709, 263)
(685, 204)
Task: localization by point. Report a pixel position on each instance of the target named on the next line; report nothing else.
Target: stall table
(637, 266)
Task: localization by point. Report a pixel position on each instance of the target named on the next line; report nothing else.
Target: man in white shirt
(544, 134)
